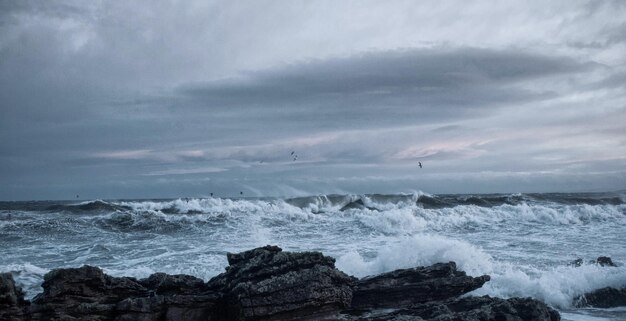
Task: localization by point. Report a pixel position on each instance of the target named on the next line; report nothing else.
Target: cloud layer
(156, 99)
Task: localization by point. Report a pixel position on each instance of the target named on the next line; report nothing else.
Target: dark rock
(603, 298)
(401, 288)
(167, 308)
(269, 284)
(84, 293)
(514, 309)
(166, 284)
(87, 293)
(470, 309)
(604, 261)
(87, 284)
(237, 258)
(12, 303)
(601, 260)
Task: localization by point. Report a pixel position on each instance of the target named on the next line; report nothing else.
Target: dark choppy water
(524, 241)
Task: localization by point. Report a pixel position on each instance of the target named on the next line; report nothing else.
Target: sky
(160, 99)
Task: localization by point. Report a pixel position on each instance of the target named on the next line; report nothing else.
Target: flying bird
(420, 164)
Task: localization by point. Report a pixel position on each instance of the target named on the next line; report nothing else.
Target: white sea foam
(394, 221)
(213, 206)
(398, 216)
(26, 275)
(524, 244)
(558, 286)
(418, 250)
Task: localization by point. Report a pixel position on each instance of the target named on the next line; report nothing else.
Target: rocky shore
(267, 284)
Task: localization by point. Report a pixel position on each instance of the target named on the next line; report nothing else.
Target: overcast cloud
(118, 99)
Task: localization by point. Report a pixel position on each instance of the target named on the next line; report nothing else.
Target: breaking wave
(523, 241)
(559, 286)
(89, 206)
(389, 214)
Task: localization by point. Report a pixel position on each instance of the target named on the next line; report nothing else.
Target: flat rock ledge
(266, 283)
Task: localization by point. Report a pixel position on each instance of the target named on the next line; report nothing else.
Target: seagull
(420, 163)
(292, 152)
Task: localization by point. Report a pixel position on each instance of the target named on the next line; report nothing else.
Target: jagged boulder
(603, 298)
(269, 284)
(12, 303)
(86, 293)
(87, 284)
(405, 287)
(173, 297)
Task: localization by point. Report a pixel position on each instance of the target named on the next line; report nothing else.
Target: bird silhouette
(420, 164)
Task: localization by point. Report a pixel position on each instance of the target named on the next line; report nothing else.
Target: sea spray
(524, 241)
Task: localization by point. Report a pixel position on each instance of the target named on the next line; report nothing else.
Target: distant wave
(387, 213)
(381, 201)
(323, 203)
(89, 206)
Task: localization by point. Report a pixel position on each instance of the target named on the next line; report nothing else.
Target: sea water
(525, 242)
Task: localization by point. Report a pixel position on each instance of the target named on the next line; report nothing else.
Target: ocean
(526, 242)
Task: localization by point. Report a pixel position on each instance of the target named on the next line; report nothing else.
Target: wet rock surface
(603, 298)
(405, 287)
(86, 293)
(601, 261)
(266, 284)
(12, 303)
(468, 309)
